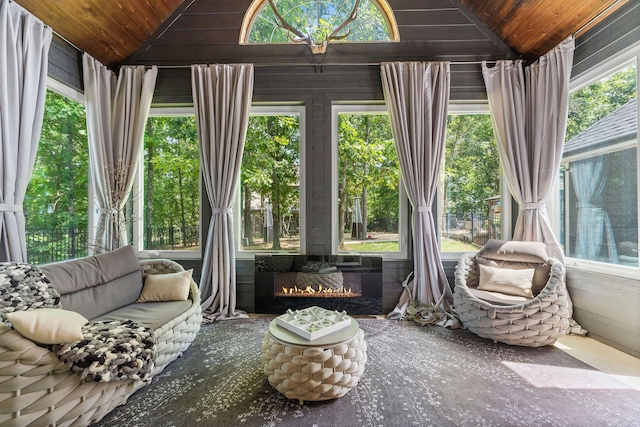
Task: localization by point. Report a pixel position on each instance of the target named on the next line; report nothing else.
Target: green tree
(56, 198)
(471, 164)
(172, 190)
(270, 168)
(319, 19)
(597, 100)
(367, 169)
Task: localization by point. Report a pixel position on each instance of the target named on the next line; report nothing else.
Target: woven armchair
(530, 322)
(36, 388)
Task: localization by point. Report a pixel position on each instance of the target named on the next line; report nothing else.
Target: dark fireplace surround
(321, 280)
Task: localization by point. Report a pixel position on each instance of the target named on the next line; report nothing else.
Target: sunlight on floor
(609, 360)
(562, 377)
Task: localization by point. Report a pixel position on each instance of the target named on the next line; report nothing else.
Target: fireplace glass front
(335, 282)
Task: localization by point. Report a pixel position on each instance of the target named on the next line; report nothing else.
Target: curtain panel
(529, 109)
(417, 96)
(117, 111)
(589, 178)
(24, 53)
(222, 99)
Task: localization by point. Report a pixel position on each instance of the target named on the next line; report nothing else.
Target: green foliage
(597, 100)
(471, 164)
(57, 193)
(271, 163)
(56, 201)
(171, 161)
(368, 168)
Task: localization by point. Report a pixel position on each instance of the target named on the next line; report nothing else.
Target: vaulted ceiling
(179, 32)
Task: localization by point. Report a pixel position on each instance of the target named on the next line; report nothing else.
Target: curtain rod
(331, 64)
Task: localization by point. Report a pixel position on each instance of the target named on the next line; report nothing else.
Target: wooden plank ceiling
(194, 31)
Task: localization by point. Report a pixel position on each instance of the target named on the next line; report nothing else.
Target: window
(599, 175)
(270, 216)
(370, 213)
(471, 201)
(166, 197)
(374, 22)
(56, 201)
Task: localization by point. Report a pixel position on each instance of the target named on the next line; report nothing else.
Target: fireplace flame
(309, 291)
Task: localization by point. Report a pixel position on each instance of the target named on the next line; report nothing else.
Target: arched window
(318, 22)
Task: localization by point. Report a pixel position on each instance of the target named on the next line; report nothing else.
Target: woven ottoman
(320, 369)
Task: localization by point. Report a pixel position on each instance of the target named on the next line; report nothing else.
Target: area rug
(414, 376)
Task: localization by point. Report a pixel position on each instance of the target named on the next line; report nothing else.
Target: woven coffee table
(312, 370)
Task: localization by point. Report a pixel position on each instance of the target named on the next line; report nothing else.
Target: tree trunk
(248, 230)
(72, 188)
(367, 140)
(342, 211)
(276, 213)
(183, 219)
(364, 213)
(148, 199)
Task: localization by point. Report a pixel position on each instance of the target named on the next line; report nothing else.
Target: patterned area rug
(415, 376)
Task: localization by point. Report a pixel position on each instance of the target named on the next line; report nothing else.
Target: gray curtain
(24, 52)
(529, 121)
(117, 111)
(529, 110)
(417, 96)
(222, 98)
(589, 177)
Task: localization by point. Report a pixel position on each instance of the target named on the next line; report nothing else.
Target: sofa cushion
(98, 284)
(48, 325)
(166, 287)
(514, 251)
(151, 314)
(518, 255)
(508, 281)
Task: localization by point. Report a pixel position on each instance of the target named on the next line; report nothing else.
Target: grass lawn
(450, 245)
(381, 246)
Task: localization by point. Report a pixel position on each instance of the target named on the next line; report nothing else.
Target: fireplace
(336, 282)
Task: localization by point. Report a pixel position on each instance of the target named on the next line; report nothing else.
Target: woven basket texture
(314, 373)
(537, 322)
(37, 389)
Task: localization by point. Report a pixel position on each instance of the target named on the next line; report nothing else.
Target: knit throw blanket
(111, 351)
(24, 286)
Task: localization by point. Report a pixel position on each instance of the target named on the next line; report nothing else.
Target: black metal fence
(58, 244)
(172, 238)
(471, 228)
(50, 245)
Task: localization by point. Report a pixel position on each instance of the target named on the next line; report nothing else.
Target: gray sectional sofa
(37, 388)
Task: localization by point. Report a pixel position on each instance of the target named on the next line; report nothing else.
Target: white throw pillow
(166, 287)
(506, 280)
(48, 325)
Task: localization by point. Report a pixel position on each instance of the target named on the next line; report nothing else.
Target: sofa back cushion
(96, 285)
(518, 255)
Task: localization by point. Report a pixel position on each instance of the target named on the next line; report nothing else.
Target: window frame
(506, 218)
(606, 68)
(256, 6)
(274, 110)
(138, 204)
(403, 214)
